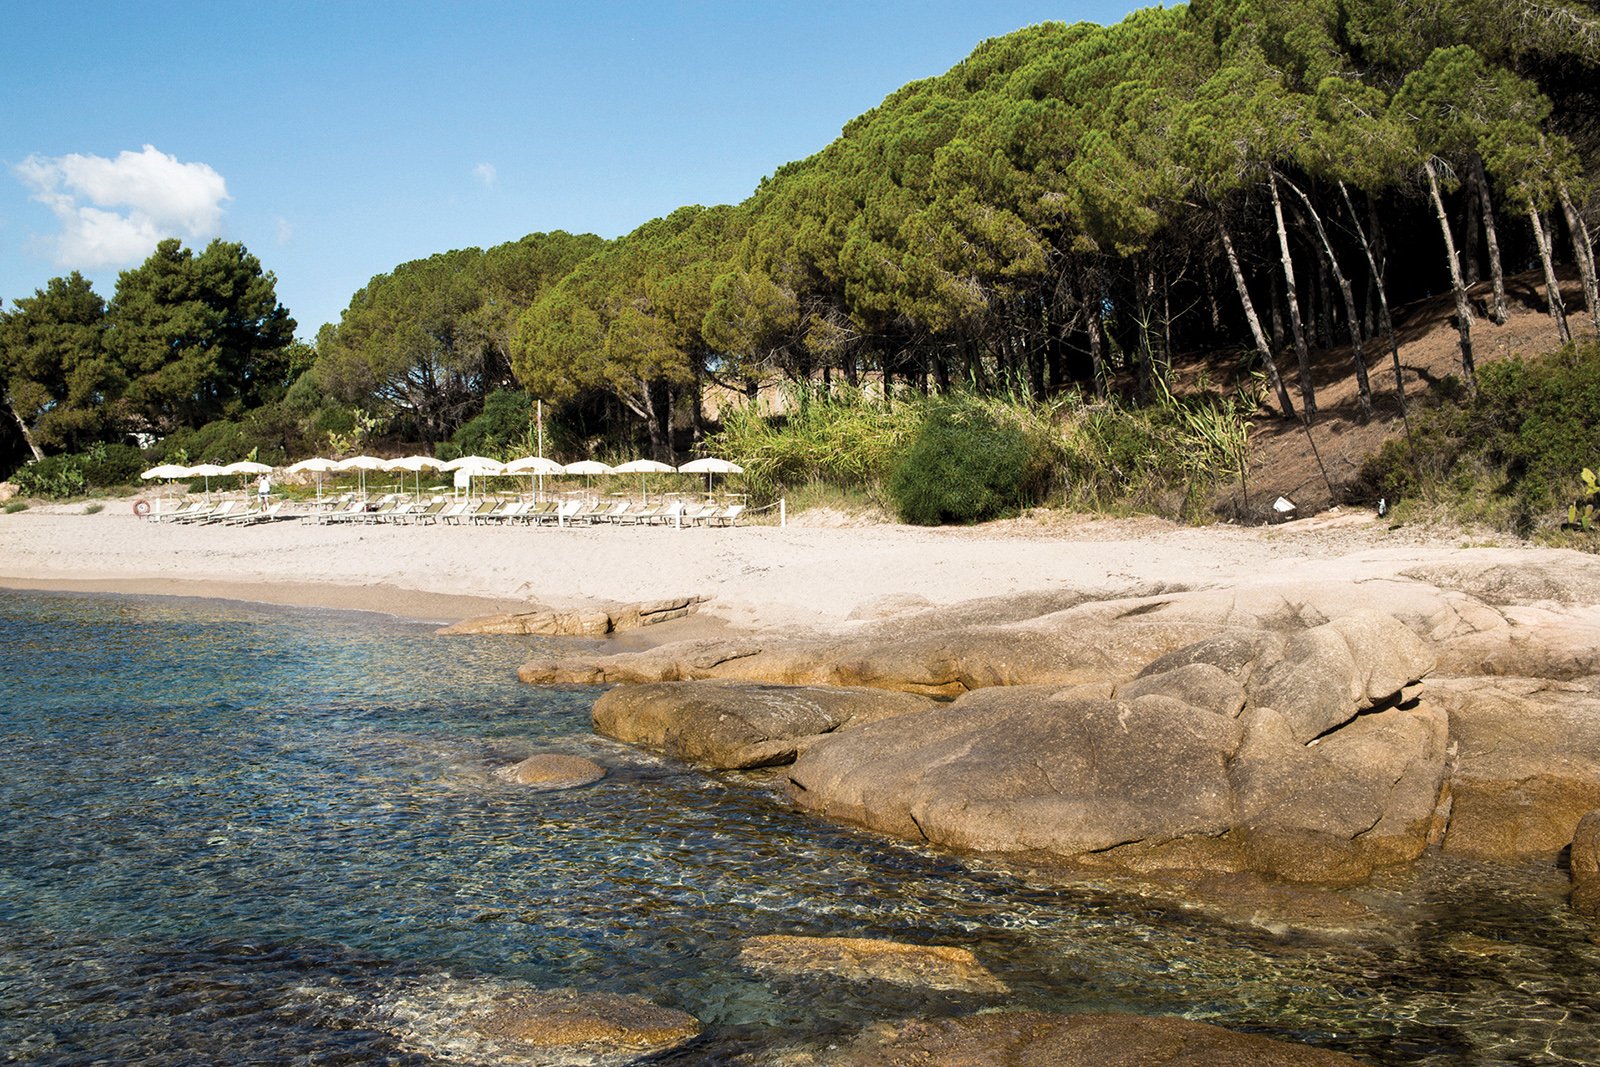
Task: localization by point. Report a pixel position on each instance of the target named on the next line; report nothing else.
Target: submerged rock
(549, 771)
(868, 959)
(568, 1019)
(1038, 1039)
(1586, 867)
(740, 724)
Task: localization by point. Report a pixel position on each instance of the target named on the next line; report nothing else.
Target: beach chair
(671, 515)
(352, 510)
(429, 514)
(728, 516)
(536, 513)
(696, 514)
(639, 516)
(609, 512)
(499, 512)
(583, 514)
(474, 510)
(254, 515)
(452, 515)
(220, 512)
(188, 509)
(565, 513)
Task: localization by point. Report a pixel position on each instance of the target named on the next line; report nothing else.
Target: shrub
(964, 465)
(14, 506)
(94, 509)
(107, 465)
(1509, 456)
(53, 476)
(505, 418)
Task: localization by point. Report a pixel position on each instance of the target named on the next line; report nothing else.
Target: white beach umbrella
(165, 472)
(588, 468)
(475, 467)
(360, 464)
(207, 471)
(415, 464)
(534, 467)
(247, 466)
(316, 465)
(641, 467)
(709, 466)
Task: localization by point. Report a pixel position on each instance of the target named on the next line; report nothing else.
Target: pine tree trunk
(1308, 392)
(1469, 239)
(1552, 287)
(1497, 306)
(22, 427)
(1583, 251)
(1275, 309)
(1358, 355)
(1091, 323)
(1463, 311)
(1383, 298)
(1284, 403)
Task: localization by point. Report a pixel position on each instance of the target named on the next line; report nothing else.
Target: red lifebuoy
(141, 507)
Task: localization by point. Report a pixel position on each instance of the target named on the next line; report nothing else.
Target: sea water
(243, 834)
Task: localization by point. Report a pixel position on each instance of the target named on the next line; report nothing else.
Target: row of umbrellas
(474, 466)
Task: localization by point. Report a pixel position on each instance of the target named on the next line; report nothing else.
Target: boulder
(1586, 866)
(567, 1019)
(871, 960)
(550, 771)
(1525, 769)
(735, 725)
(1011, 770)
(1198, 684)
(1038, 1039)
(1329, 673)
(1364, 796)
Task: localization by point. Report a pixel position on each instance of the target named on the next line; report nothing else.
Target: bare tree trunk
(1284, 403)
(1497, 307)
(1469, 238)
(1383, 298)
(1552, 287)
(1358, 355)
(1463, 312)
(1275, 309)
(1091, 323)
(22, 427)
(1583, 251)
(1308, 391)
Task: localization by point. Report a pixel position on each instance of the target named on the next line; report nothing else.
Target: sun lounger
(498, 512)
(220, 512)
(185, 510)
(728, 516)
(254, 515)
(453, 514)
(353, 510)
(610, 512)
(428, 514)
(670, 515)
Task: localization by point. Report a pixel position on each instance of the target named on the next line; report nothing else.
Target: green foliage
(107, 465)
(964, 465)
(54, 477)
(845, 439)
(54, 366)
(14, 506)
(94, 509)
(1584, 519)
(504, 422)
(1507, 455)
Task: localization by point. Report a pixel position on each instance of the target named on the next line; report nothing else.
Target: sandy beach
(813, 575)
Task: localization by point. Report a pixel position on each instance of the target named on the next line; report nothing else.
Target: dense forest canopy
(1067, 209)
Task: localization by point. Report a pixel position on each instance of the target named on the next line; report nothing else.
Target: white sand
(802, 577)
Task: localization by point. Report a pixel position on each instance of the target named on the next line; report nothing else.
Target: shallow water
(246, 834)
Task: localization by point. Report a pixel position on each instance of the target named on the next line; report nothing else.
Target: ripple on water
(247, 834)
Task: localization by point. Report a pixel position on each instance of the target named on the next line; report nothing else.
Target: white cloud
(114, 211)
(284, 229)
(485, 173)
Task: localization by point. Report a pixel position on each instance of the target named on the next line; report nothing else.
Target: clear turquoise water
(238, 834)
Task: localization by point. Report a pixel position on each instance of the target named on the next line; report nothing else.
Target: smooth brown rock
(1585, 858)
(1328, 813)
(1525, 767)
(1036, 1039)
(735, 725)
(1199, 684)
(1008, 770)
(595, 622)
(867, 959)
(567, 1019)
(550, 770)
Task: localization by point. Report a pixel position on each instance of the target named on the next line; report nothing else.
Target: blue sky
(339, 139)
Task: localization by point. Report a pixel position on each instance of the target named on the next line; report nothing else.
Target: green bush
(14, 506)
(107, 465)
(504, 421)
(51, 477)
(964, 465)
(94, 509)
(1509, 456)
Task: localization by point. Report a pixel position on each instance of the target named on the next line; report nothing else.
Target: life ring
(141, 507)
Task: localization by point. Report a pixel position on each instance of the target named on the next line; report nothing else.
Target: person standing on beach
(264, 489)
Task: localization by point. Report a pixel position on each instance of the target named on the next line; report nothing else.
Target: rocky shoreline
(1305, 733)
